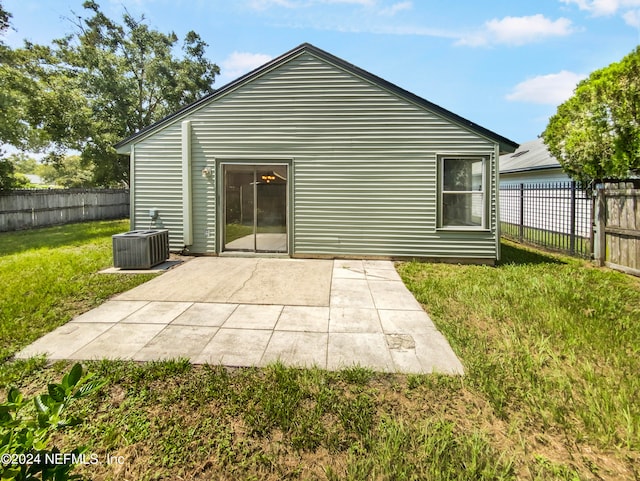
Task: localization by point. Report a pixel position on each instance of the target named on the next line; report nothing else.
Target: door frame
(257, 161)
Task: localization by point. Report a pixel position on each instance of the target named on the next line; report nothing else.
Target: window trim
(485, 192)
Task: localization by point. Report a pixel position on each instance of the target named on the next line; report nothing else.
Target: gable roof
(530, 156)
(506, 145)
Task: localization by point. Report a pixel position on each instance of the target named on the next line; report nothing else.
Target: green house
(311, 156)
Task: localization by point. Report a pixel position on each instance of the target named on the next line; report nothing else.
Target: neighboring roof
(506, 145)
(532, 155)
(34, 179)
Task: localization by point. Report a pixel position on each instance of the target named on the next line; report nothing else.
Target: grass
(172, 420)
(50, 275)
(236, 231)
(551, 351)
(555, 342)
(557, 241)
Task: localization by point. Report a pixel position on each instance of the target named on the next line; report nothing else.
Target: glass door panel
(255, 208)
(271, 208)
(239, 211)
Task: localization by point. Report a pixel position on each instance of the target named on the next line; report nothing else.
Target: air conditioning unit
(140, 249)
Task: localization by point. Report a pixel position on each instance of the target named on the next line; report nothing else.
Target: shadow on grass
(521, 255)
(57, 236)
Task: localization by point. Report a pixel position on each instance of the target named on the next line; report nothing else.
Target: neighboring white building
(534, 186)
(531, 163)
(34, 179)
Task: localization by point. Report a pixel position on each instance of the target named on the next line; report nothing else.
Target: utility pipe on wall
(187, 205)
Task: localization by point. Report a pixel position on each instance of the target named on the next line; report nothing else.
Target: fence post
(600, 251)
(521, 227)
(592, 223)
(572, 228)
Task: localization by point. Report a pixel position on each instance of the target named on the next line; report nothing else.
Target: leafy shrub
(27, 425)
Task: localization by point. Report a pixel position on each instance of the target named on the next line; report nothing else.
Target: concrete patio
(253, 311)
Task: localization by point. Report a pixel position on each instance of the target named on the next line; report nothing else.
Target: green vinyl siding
(363, 163)
(157, 183)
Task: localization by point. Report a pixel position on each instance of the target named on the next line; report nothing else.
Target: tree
(68, 172)
(595, 135)
(18, 96)
(106, 81)
(4, 19)
(9, 178)
(10, 105)
(23, 163)
(7, 100)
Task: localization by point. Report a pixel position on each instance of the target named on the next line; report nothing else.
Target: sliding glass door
(255, 208)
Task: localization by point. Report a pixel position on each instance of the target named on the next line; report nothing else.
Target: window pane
(462, 210)
(462, 174)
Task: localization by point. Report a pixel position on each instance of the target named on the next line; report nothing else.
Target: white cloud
(601, 8)
(265, 4)
(551, 89)
(375, 6)
(240, 63)
(383, 17)
(596, 7)
(517, 31)
(396, 7)
(632, 18)
(364, 3)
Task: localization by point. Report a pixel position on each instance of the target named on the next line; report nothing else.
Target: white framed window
(463, 192)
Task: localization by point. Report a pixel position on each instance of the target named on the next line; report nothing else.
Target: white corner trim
(187, 204)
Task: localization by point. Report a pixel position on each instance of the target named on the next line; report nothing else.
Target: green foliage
(23, 163)
(101, 83)
(9, 178)
(107, 80)
(19, 91)
(596, 133)
(4, 19)
(26, 434)
(69, 172)
(26, 165)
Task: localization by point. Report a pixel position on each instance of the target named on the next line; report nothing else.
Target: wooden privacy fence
(27, 209)
(617, 221)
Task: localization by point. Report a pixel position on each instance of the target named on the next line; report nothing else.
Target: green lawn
(550, 346)
(555, 241)
(50, 275)
(236, 231)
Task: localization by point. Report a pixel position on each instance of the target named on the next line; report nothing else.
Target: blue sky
(504, 64)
